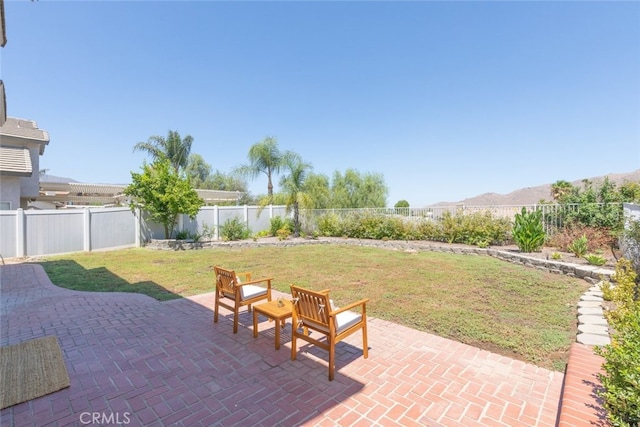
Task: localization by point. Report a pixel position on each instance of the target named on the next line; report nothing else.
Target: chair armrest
(347, 307)
(253, 282)
(246, 275)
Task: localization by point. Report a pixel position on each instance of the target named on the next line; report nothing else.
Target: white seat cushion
(250, 291)
(346, 319)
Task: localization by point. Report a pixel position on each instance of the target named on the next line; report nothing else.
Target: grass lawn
(505, 308)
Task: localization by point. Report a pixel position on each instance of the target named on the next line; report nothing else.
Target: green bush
(329, 224)
(478, 229)
(234, 229)
(595, 259)
(528, 231)
(579, 246)
(621, 377)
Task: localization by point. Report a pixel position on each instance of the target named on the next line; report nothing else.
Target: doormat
(31, 369)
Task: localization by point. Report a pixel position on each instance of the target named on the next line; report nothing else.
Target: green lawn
(502, 307)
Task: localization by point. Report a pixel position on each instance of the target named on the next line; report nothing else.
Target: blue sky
(446, 100)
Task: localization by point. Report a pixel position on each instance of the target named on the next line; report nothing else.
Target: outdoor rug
(31, 369)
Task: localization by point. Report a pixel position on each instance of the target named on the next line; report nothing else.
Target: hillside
(531, 195)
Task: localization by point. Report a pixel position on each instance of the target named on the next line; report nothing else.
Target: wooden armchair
(232, 294)
(313, 310)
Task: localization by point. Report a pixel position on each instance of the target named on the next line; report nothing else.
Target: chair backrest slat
(226, 279)
(311, 306)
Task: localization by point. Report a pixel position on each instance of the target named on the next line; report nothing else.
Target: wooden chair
(238, 294)
(313, 310)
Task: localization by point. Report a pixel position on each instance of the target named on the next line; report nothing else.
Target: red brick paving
(169, 364)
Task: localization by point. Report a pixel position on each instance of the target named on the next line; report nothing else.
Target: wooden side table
(272, 311)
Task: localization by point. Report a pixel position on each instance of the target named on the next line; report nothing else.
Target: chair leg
(365, 345)
(217, 308)
(293, 345)
(235, 320)
(332, 359)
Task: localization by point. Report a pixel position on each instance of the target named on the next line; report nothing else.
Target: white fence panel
(8, 234)
(113, 228)
(53, 232)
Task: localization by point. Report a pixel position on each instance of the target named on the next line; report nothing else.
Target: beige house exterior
(21, 145)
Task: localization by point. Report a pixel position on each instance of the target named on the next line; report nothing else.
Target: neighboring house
(56, 192)
(21, 145)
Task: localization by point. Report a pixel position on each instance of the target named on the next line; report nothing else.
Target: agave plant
(528, 232)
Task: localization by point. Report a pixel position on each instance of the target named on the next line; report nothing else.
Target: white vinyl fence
(49, 232)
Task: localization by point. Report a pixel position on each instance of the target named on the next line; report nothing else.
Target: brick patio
(156, 363)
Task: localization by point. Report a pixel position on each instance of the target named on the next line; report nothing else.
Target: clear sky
(447, 100)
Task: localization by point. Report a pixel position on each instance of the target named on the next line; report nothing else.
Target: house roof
(15, 161)
(18, 132)
(84, 193)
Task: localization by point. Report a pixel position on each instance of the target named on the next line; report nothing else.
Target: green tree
(173, 147)
(264, 157)
(318, 188)
(197, 170)
(163, 194)
(293, 186)
(356, 190)
(401, 204)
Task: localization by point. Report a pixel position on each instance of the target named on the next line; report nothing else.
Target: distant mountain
(53, 178)
(531, 195)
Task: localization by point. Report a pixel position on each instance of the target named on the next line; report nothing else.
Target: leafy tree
(225, 182)
(293, 185)
(197, 170)
(401, 204)
(318, 188)
(163, 193)
(356, 190)
(264, 157)
(173, 147)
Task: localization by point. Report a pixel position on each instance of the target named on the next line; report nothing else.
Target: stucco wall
(10, 191)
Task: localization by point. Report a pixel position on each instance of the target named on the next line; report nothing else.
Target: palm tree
(294, 188)
(560, 189)
(172, 147)
(264, 157)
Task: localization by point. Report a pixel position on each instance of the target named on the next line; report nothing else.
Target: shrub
(556, 256)
(597, 238)
(234, 229)
(207, 232)
(595, 259)
(478, 228)
(528, 231)
(283, 233)
(579, 246)
(621, 377)
(330, 224)
(182, 235)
